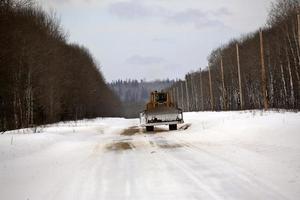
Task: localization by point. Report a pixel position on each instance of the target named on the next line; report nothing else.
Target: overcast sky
(155, 39)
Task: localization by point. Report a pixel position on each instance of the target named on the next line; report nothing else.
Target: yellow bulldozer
(161, 110)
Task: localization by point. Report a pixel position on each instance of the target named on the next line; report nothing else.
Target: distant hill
(134, 94)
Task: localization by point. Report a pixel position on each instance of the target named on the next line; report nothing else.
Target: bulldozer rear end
(160, 110)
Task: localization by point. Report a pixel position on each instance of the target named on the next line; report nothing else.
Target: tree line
(43, 78)
(258, 71)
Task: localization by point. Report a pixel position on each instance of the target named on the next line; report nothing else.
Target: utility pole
(177, 95)
(210, 90)
(187, 94)
(201, 91)
(181, 85)
(263, 71)
(223, 85)
(195, 93)
(239, 74)
(173, 95)
(192, 94)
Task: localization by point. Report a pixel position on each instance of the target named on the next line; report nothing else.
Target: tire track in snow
(248, 176)
(188, 172)
(216, 166)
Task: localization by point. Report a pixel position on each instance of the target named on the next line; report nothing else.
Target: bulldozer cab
(160, 97)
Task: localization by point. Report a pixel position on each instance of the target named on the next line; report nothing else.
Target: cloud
(222, 12)
(195, 17)
(144, 60)
(163, 40)
(130, 9)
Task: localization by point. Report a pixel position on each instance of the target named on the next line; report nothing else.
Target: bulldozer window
(161, 97)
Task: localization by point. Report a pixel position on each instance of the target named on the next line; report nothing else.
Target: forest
(43, 77)
(260, 70)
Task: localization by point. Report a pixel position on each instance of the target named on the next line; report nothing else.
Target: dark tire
(149, 128)
(172, 127)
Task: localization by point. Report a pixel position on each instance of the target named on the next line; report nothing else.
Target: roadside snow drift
(214, 155)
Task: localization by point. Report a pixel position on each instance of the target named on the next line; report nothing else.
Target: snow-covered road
(225, 155)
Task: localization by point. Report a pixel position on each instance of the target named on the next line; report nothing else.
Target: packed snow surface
(214, 155)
